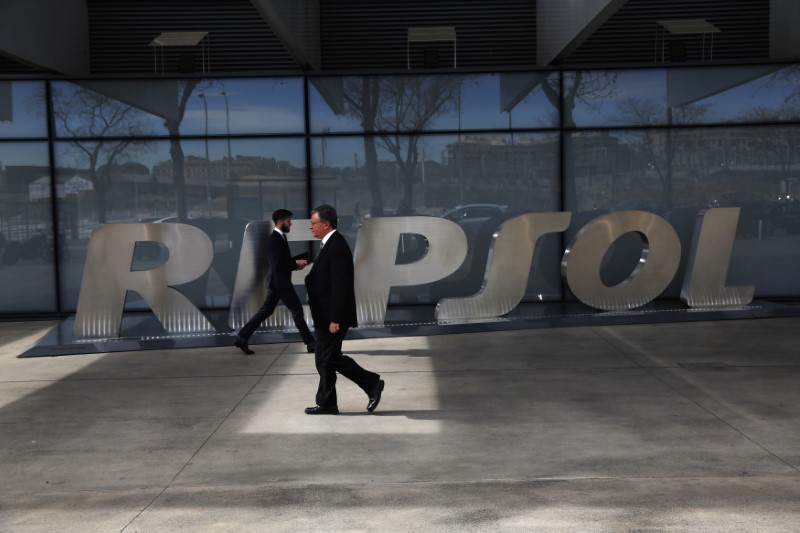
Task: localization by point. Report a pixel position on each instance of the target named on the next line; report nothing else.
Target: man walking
(331, 295)
(279, 285)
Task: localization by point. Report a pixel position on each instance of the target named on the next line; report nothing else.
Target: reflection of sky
(604, 107)
(734, 103)
(23, 154)
(27, 109)
(480, 105)
(651, 85)
(252, 119)
(275, 106)
(254, 106)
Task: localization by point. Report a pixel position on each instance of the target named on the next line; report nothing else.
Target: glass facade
(476, 149)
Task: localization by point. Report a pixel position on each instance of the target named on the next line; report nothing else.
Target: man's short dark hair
(280, 214)
(328, 213)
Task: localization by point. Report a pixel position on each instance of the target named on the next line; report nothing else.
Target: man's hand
(334, 327)
(301, 264)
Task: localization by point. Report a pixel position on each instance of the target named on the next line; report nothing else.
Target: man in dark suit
(279, 285)
(331, 295)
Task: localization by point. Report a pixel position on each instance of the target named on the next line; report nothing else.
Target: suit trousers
(330, 360)
(291, 301)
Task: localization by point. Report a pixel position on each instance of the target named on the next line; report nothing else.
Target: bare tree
(185, 90)
(361, 96)
(777, 144)
(83, 113)
(387, 106)
(660, 154)
(587, 87)
(410, 103)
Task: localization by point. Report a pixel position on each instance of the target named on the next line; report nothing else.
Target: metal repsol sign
(108, 276)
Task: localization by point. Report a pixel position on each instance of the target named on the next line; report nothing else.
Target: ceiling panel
(360, 34)
(240, 39)
(10, 66)
(631, 34)
(357, 34)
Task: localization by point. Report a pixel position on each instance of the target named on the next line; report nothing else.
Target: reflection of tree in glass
(588, 87)
(185, 90)
(660, 155)
(789, 77)
(388, 105)
(777, 144)
(83, 113)
(780, 143)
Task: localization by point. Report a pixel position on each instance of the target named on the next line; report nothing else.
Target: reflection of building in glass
(25, 199)
(681, 167)
(519, 172)
(487, 159)
(199, 168)
(262, 184)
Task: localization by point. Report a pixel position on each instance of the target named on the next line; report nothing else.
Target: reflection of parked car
(755, 210)
(642, 204)
(738, 199)
(472, 216)
(785, 216)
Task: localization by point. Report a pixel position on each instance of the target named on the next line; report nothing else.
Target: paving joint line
(612, 342)
(214, 432)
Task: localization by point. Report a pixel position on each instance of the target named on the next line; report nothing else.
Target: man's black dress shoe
(317, 410)
(311, 347)
(243, 346)
(375, 396)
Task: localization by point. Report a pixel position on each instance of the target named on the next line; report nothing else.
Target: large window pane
(478, 181)
(615, 98)
(677, 173)
(171, 107)
(765, 93)
(682, 96)
(510, 100)
(251, 106)
(27, 268)
(22, 109)
(190, 181)
(433, 102)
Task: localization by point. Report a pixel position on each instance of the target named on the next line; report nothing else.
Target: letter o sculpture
(661, 254)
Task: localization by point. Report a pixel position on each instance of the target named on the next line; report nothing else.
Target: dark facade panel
(240, 39)
(631, 34)
(11, 67)
(357, 34)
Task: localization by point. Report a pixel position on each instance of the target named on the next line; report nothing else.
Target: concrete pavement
(679, 426)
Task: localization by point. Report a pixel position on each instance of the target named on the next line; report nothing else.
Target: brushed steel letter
(707, 267)
(657, 265)
(507, 271)
(107, 277)
(250, 289)
(376, 270)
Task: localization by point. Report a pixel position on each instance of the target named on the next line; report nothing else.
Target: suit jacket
(330, 285)
(281, 264)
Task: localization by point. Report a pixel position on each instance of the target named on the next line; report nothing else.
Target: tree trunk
(369, 103)
(178, 172)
